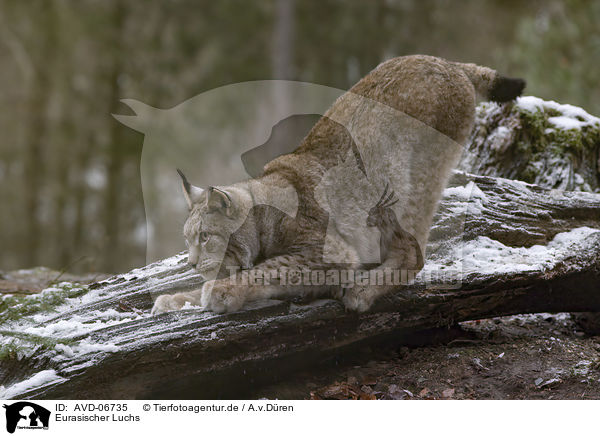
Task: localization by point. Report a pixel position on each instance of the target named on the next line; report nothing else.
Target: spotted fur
(285, 217)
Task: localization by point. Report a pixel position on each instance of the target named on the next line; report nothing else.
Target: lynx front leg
(168, 303)
(223, 295)
(279, 277)
(219, 296)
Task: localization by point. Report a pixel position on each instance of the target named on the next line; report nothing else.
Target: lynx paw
(167, 303)
(358, 298)
(221, 297)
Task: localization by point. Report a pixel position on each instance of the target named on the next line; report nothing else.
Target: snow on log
(498, 247)
(543, 142)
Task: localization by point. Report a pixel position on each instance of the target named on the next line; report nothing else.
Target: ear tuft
(190, 192)
(184, 180)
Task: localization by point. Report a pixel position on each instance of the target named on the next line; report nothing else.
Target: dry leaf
(448, 393)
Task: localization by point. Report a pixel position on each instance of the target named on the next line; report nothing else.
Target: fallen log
(543, 142)
(504, 247)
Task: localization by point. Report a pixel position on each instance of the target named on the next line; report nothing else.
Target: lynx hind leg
(361, 298)
(169, 303)
(387, 278)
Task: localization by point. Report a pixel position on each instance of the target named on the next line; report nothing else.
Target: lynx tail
(505, 89)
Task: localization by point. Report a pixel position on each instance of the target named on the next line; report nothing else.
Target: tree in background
(70, 172)
(558, 50)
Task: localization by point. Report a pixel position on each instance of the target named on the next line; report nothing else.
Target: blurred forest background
(69, 172)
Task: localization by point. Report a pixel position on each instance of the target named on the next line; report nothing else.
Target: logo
(26, 415)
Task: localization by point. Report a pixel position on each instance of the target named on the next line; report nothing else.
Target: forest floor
(33, 280)
(537, 356)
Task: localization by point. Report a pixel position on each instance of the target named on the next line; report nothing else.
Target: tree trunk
(196, 354)
(35, 162)
(112, 205)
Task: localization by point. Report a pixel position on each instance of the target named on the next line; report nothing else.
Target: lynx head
(215, 215)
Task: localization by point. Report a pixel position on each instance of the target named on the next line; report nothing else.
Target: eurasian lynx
(377, 161)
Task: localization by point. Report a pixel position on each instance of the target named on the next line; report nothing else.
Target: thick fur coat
(359, 192)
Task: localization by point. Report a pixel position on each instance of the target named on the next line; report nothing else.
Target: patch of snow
(61, 327)
(498, 137)
(530, 103)
(486, 255)
(45, 292)
(565, 123)
(567, 238)
(86, 347)
(572, 117)
(486, 109)
(478, 193)
(40, 379)
(155, 268)
(517, 184)
(466, 192)
(77, 325)
(471, 195)
(64, 349)
(83, 347)
(501, 131)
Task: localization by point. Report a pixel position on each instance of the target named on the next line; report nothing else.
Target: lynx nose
(193, 256)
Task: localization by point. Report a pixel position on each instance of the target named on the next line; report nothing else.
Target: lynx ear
(190, 192)
(219, 200)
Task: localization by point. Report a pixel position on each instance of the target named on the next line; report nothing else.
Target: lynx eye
(203, 237)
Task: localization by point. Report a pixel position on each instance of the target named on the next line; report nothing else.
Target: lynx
(359, 192)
